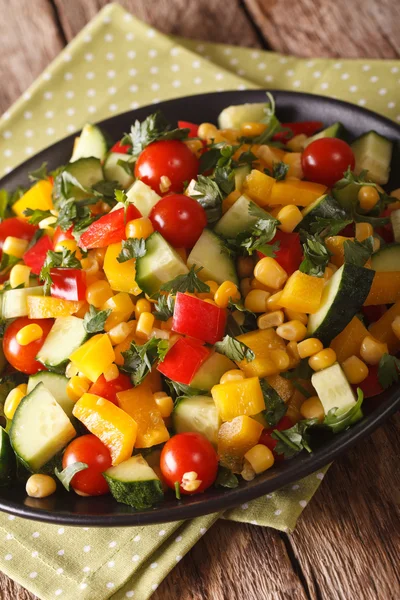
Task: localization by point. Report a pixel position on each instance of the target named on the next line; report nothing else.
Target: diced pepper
(113, 426)
(121, 306)
(290, 252)
(268, 155)
(300, 193)
(335, 245)
(110, 389)
(121, 276)
(283, 386)
(198, 319)
(382, 329)
(238, 397)
(267, 440)
(16, 227)
(46, 307)
(373, 313)
(235, 438)
(35, 256)
(109, 229)
(191, 126)
(139, 403)
(68, 284)
(348, 342)
(183, 360)
(302, 293)
(370, 386)
(258, 186)
(154, 380)
(60, 235)
(297, 399)
(261, 341)
(37, 197)
(385, 288)
(308, 128)
(94, 357)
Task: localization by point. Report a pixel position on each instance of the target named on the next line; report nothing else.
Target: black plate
(70, 509)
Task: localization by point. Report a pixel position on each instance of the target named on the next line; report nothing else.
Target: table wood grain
(347, 542)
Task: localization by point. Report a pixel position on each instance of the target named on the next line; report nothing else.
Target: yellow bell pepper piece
(46, 307)
(302, 293)
(268, 155)
(240, 397)
(335, 245)
(348, 342)
(258, 186)
(385, 288)
(300, 193)
(382, 329)
(38, 196)
(114, 427)
(94, 357)
(283, 386)
(141, 406)
(121, 276)
(261, 341)
(121, 306)
(235, 438)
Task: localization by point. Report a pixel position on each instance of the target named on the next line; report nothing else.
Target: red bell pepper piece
(35, 256)
(109, 389)
(370, 386)
(121, 148)
(109, 229)
(349, 230)
(373, 313)
(16, 227)
(267, 440)
(198, 319)
(188, 125)
(183, 360)
(68, 284)
(308, 128)
(290, 252)
(60, 235)
(386, 231)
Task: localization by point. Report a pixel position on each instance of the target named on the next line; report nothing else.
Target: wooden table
(347, 542)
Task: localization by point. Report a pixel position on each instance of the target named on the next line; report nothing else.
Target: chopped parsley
(139, 359)
(63, 259)
(275, 408)
(234, 349)
(164, 307)
(388, 370)
(95, 319)
(154, 128)
(357, 253)
(316, 256)
(186, 283)
(132, 248)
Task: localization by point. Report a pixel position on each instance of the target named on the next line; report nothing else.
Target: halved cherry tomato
(120, 148)
(90, 450)
(307, 128)
(191, 126)
(23, 358)
(189, 453)
(270, 442)
(325, 160)
(110, 389)
(60, 235)
(109, 229)
(166, 157)
(179, 219)
(16, 227)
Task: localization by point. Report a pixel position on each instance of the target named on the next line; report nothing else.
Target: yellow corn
(71, 370)
(98, 293)
(12, 402)
(245, 266)
(99, 254)
(29, 334)
(363, 230)
(90, 265)
(111, 373)
(19, 275)
(269, 272)
(195, 146)
(281, 359)
(232, 375)
(293, 315)
(213, 285)
(396, 327)
(15, 246)
(260, 458)
(252, 129)
(323, 359)
(245, 286)
(208, 131)
(139, 228)
(120, 332)
(309, 347)
(142, 306)
(257, 285)
(226, 291)
(165, 404)
(289, 216)
(256, 301)
(77, 386)
(368, 196)
(372, 350)
(271, 319)
(294, 331)
(312, 409)
(355, 369)
(70, 245)
(273, 301)
(144, 325)
(293, 353)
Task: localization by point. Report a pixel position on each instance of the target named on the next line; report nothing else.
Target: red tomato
(270, 442)
(22, 358)
(370, 386)
(193, 128)
(179, 219)
(60, 235)
(120, 148)
(325, 160)
(110, 389)
(16, 228)
(303, 127)
(166, 157)
(187, 452)
(90, 450)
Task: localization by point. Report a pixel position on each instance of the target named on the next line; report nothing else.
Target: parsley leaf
(225, 478)
(279, 170)
(240, 307)
(162, 349)
(234, 349)
(337, 420)
(7, 262)
(186, 283)
(95, 319)
(39, 174)
(262, 232)
(127, 165)
(63, 259)
(207, 193)
(106, 189)
(67, 474)
(294, 440)
(37, 215)
(164, 307)
(388, 370)
(225, 179)
(132, 248)
(138, 360)
(357, 253)
(179, 390)
(275, 408)
(316, 256)
(155, 127)
(325, 227)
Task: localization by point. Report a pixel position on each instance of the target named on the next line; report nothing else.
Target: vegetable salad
(194, 305)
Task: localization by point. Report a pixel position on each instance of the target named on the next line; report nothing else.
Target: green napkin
(114, 64)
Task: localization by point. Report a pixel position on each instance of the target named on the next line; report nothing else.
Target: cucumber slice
(91, 142)
(160, 264)
(7, 458)
(143, 197)
(395, 221)
(40, 428)
(343, 296)
(209, 252)
(240, 175)
(387, 258)
(373, 153)
(333, 389)
(57, 386)
(325, 207)
(114, 172)
(134, 483)
(238, 218)
(337, 130)
(232, 117)
(211, 371)
(66, 336)
(14, 303)
(87, 171)
(198, 414)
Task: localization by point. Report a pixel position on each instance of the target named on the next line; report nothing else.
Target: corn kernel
(245, 266)
(257, 285)
(70, 245)
(289, 216)
(195, 146)
(111, 373)
(248, 473)
(396, 327)
(71, 370)
(19, 275)
(90, 265)
(273, 301)
(160, 334)
(77, 386)
(142, 305)
(372, 350)
(231, 135)
(144, 325)
(293, 353)
(98, 293)
(355, 369)
(281, 359)
(252, 129)
(165, 404)
(139, 228)
(363, 231)
(245, 286)
(232, 375)
(323, 359)
(120, 332)
(28, 334)
(269, 272)
(15, 246)
(312, 409)
(309, 347)
(256, 301)
(293, 315)
(99, 254)
(271, 319)
(207, 131)
(260, 458)
(40, 486)
(226, 291)
(368, 196)
(12, 402)
(294, 331)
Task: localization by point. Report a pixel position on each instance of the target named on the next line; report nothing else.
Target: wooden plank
(29, 40)
(199, 19)
(360, 28)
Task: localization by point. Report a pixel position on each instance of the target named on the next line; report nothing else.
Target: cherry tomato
(270, 442)
(90, 450)
(16, 227)
(188, 453)
(166, 157)
(110, 389)
(60, 235)
(179, 219)
(325, 160)
(120, 148)
(22, 358)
